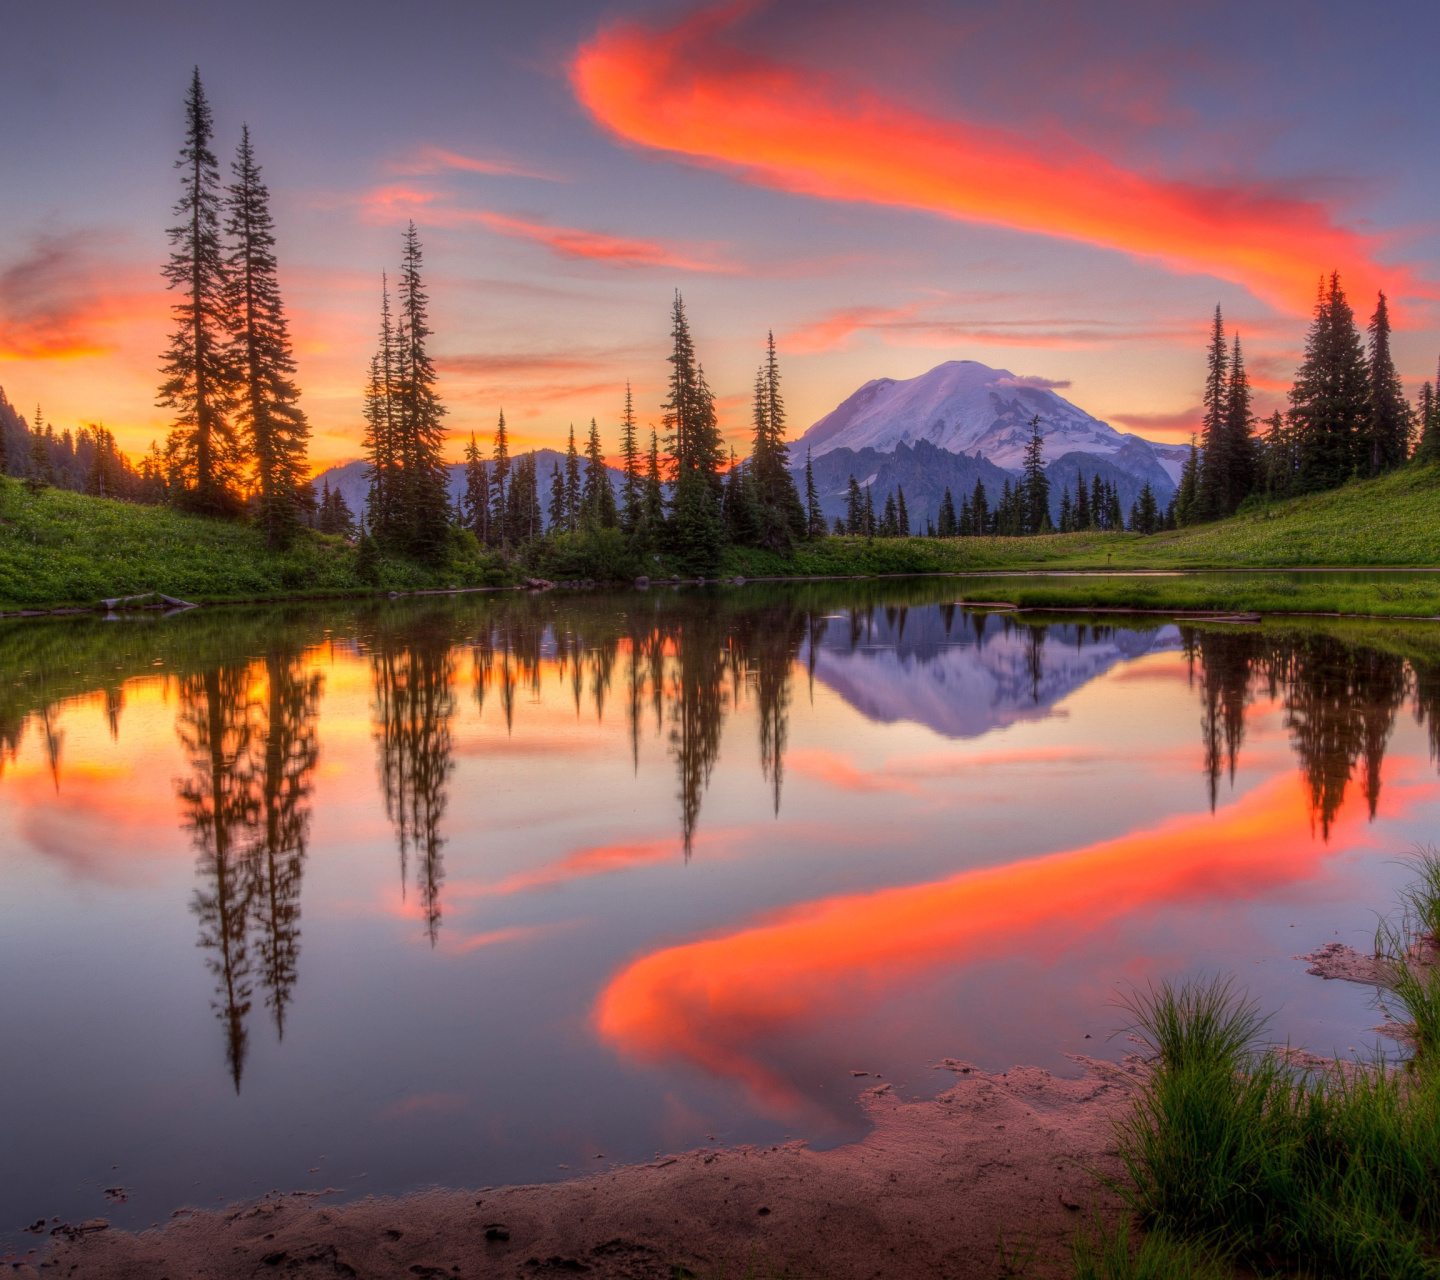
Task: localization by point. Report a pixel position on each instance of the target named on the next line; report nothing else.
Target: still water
(504, 888)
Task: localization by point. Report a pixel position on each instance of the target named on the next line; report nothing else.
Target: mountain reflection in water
(284, 743)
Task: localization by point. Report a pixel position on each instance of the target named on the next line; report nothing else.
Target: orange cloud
(680, 90)
(57, 301)
(620, 251)
(600, 860)
(714, 1003)
(428, 160)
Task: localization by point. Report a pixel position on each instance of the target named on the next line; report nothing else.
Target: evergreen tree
(475, 502)
(1146, 516)
(1187, 496)
(814, 517)
(1330, 401)
(1036, 482)
(42, 470)
(632, 486)
(889, 525)
(197, 366)
(1428, 448)
(572, 484)
(979, 510)
(839, 527)
(965, 521)
(268, 416)
(902, 513)
(1115, 520)
(1067, 512)
(782, 517)
(558, 523)
(382, 432)
(1213, 486)
(1082, 504)
(1239, 436)
(1386, 441)
(425, 477)
(500, 532)
(869, 514)
(947, 526)
(854, 508)
(743, 517)
(652, 506)
(598, 498)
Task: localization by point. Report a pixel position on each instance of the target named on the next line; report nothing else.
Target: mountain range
(960, 422)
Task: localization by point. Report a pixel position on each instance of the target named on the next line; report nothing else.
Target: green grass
(62, 548)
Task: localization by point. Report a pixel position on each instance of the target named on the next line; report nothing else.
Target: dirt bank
(926, 1194)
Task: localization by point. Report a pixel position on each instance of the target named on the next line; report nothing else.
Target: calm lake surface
(502, 888)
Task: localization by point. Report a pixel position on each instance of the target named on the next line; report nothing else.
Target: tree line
(1348, 417)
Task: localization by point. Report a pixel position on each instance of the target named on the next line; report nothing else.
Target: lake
(495, 888)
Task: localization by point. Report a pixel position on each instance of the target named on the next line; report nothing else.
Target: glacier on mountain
(967, 407)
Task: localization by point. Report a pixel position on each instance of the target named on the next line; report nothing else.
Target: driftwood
(165, 602)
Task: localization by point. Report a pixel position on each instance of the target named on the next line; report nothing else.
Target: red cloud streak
(677, 89)
(715, 1003)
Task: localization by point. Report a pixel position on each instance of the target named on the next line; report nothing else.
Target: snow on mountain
(967, 407)
(964, 677)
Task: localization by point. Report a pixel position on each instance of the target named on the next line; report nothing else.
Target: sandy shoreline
(927, 1193)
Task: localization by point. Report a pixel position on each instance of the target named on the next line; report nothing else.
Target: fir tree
(1330, 401)
(814, 516)
(965, 521)
(558, 523)
(475, 502)
(1146, 516)
(1187, 496)
(741, 505)
(572, 484)
(1214, 480)
(889, 525)
(979, 510)
(652, 506)
(854, 508)
(869, 514)
(500, 483)
(631, 487)
(782, 517)
(1067, 512)
(1036, 482)
(1239, 436)
(197, 366)
(382, 432)
(1082, 504)
(267, 412)
(1386, 441)
(1428, 448)
(902, 514)
(42, 470)
(425, 477)
(597, 498)
(947, 526)
(839, 529)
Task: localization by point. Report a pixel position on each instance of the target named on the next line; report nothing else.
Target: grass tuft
(1111, 1256)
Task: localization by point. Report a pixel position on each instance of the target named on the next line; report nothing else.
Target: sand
(927, 1193)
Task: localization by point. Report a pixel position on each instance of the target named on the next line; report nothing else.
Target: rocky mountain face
(965, 407)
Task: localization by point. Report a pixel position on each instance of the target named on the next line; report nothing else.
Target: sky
(1059, 188)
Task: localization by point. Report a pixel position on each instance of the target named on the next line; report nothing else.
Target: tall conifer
(947, 525)
(1386, 441)
(267, 411)
(598, 499)
(631, 487)
(382, 432)
(475, 502)
(572, 484)
(1330, 401)
(1036, 483)
(1213, 481)
(500, 482)
(1239, 435)
(814, 516)
(426, 503)
(198, 369)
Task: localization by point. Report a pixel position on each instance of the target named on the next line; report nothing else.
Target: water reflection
(247, 690)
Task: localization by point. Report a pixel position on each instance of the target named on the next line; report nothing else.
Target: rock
(642, 582)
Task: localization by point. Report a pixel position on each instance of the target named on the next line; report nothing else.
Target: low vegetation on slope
(58, 547)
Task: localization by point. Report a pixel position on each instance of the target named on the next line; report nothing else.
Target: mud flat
(927, 1193)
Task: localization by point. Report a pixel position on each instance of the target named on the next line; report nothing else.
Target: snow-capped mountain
(967, 407)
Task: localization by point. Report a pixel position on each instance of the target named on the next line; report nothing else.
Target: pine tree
(741, 505)
(1067, 512)
(268, 417)
(1146, 516)
(868, 516)
(947, 526)
(572, 484)
(197, 366)
(1083, 516)
(782, 517)
(979, 510)
(1330, 401)
(597, 482)
(1187, 496)
(839, 529)
(652, 506)
(889, 526)
(382, 432)
(475, 502)
(1386, 441)
(1036, 483)
(1213, 484)
(814, 516)
(425, 478)
(42, 469)
(557, 500)
(500, 532)
(854, 508)
(632, 485)
(1239, 436)
(1428, 448)
(902, 512)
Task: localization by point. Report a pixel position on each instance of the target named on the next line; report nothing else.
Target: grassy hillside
(62, 548)
(59, 548)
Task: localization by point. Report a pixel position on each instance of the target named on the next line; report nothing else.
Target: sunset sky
(1062, 189)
